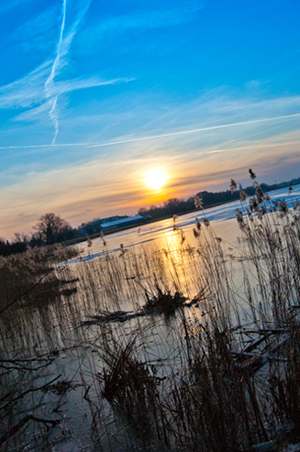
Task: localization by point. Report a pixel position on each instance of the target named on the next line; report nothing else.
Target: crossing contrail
(50, 80)
(152, 137)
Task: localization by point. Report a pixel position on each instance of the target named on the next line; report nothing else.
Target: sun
(156, 179)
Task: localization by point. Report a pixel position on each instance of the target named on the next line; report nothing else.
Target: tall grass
(220, 371)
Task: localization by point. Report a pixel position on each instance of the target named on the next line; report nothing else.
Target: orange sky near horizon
(80, 193)
(94, 95)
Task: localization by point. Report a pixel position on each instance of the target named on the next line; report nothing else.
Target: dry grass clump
(32, 276)
(215, 405)
(163, 302)
(129, 387)
(285, 385)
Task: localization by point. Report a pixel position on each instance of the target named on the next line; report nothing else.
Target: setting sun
(156, 179)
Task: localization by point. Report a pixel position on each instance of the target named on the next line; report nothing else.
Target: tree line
(51, 228)
(209, 199)
(171, 207)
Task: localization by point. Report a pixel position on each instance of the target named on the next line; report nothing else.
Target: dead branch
(20, 396)
(29, 417)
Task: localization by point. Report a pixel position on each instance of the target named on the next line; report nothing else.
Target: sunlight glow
(156, 179)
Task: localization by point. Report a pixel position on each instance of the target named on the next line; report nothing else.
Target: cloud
(114, 182)
(39, 90)
(151, 18)
(159, 16)
(72, 85)
(30, 90)
(8, 6)
(61, 189)
(108, 184)
(37, 34)
(189, 140)
(27, 91)
(43, 87)
(225, 117)
(36, 114)
(201, 129)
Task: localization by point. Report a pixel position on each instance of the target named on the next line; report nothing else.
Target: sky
(95, 94)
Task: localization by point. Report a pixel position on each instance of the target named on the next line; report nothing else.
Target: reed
(220, 371)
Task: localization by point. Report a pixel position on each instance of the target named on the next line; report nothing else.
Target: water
(67, 333)
(222, 218)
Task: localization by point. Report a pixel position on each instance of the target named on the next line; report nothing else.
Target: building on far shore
(122, 222)
(108, 223)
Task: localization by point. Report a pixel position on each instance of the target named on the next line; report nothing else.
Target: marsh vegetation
(187, 346)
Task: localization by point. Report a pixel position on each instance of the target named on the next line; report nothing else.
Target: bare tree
(52, 228)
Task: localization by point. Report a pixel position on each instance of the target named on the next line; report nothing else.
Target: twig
(20, 396)
(29, 417)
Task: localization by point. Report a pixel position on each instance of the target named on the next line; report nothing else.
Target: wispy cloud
(27, 91)
(30, 90)
(200, 144)
(38, 34)
(163, 135)
(37, 114)
(8, 6)
(157, 15)
(39, 91)
(103, 182)
(202, 129)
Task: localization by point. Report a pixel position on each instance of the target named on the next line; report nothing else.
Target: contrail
(49, 82)
(223, 126)
(59, 46)
(53, 115)
(152, 137)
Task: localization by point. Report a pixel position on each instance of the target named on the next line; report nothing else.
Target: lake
(144, 305)
(220, 217)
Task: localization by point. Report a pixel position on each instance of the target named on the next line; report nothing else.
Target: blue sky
(95, 94)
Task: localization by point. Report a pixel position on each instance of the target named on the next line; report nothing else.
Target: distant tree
(17, 245)
(172, 206)
(143, 212)
(52, 228)
(4, 245)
